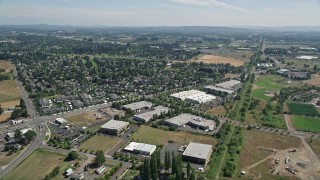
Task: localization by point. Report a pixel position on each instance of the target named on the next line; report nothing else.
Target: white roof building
(147, 116)
(229, 84)
(138, 105)
(192, 120)
(184, 94)
(200, 98)
(198, 153)
(114, 126)
(215, 88)
(141, 148)
(61, 121)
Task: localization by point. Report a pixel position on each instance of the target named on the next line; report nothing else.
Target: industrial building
(212, 88)
(137, 106)
(147, 116)
(192, 120)
(231, 84)
(197, 153)
(140, 148)
(114, 127)
(193, 96)
(184, 94)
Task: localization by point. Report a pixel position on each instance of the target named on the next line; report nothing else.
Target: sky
(161, 12)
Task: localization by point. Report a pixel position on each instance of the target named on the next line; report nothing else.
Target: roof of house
(197, 150)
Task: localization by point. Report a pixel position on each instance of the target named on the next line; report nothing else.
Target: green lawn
(303, 109)
(100, 142)
(306, 123)
(40, 163)
(266, 83)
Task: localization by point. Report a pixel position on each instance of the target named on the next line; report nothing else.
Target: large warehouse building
(194, 96)
(228, 87)
(140, 148)
(114, 127)
(138, 106)
(192, 120)
(147, 116)
(197, 153)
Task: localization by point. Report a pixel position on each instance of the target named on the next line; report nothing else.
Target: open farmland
(303, 109)
(100, 142)
(257, 146)
(40, 163)
(214, 59)
(265, 87)
(155, 136)
(306, 123)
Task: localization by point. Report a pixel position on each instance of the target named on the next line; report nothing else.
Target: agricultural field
(265, 87)
(218, 111)
(156, 136)
(306, 123)
(303, 109)
(215, 59)
(40, 163)
(100, 142)
(86, 119)
(256, 147)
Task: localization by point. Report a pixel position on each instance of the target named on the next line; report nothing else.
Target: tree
(1, 110)
(100, 158)
(29, 136)
(188, 169)
(192, 175)
(133, 164)
(154, 166)
(17, 135)
(72, 155)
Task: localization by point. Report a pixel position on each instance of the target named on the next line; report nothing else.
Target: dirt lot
(111, 111)
(100, 142)
(5, 116)
(87, 118)
(315, 146)
(215, 59)
(219, 110)
(6, 65)
(257, 148)
(314, 81)
(10, 104)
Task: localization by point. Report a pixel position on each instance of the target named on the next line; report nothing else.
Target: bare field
(6, 65)
(257, 147)
(315, 146)
(100, 142)
(215, 59)
(4, 117)
(219, 110)
(8, 91)
(5, 159)
(10, 104)
(314, 81)
(86, 118)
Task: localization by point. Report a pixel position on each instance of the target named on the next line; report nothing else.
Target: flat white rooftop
(138, 105)
(215, 88)
(228, 84)
(198, 150)
(114, 124)
(201, 98)
(134, 146)
(148, 115)
(183, 119)
(184, 94)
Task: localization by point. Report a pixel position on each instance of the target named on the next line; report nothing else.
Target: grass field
(257, 145)
(306, 123)
(6, 65)
(215, 59)
(5, 158)
(264, 84)
(100, 142)
(219, 110)
(40, 163)
(4, 117)
(130, 174)
(303, 109)
(156, 136)
(8, 91)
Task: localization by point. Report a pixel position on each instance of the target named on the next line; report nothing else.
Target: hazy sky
(162, 12)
